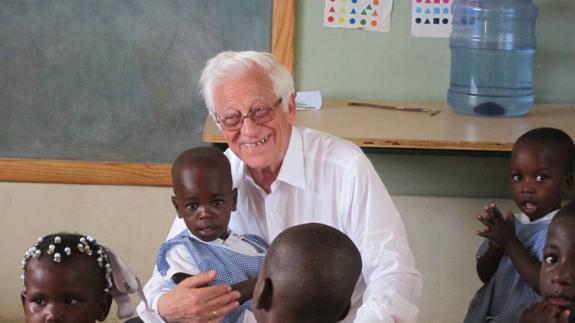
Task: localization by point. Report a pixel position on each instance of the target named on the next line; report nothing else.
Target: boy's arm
(501, 231)
(527, 266)
(488, 262)
(246, 289)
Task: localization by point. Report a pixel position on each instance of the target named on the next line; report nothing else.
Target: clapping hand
(499, 230)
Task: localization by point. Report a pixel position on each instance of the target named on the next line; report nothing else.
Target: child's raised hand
(498, 230)
(544, 312)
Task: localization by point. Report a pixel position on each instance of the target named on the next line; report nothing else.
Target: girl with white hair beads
(71, 278)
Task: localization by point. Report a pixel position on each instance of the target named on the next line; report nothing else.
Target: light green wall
(356, 64)
(345, 63)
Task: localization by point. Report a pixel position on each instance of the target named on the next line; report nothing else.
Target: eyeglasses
(259, 115)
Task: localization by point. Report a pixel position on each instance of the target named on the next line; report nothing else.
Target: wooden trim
(138, 174)
(85, 172)
(432, 145)
(283, 32)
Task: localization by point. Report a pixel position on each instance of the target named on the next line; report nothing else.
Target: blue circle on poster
(445, 10)
(352, 21)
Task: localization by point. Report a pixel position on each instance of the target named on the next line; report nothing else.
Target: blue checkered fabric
(231, 267)
(506, 295)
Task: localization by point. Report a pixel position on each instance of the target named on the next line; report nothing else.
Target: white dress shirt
(329, 180)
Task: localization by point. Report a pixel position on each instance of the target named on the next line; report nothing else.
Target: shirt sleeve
(179, 260)
(393, 284)
(154, 289)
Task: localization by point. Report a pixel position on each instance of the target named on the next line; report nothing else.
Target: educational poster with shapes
(372, 15)
(431, 18)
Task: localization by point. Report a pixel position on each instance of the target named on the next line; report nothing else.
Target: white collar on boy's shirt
(232, 242)
(524, 219)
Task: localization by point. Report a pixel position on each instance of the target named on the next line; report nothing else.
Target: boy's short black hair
(209, 156)
(313, 269)
(551, 138)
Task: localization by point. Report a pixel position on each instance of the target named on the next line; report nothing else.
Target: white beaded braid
(86, 245)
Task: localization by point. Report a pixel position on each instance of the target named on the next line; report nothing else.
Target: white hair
(229, 63)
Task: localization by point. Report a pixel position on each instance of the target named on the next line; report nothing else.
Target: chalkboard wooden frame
(138, 174)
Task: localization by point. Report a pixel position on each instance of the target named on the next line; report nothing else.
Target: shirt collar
(292, 170)
(232, 237)
(521, 217)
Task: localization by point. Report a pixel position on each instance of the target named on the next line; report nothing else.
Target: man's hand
(190, 302)
(544, 313)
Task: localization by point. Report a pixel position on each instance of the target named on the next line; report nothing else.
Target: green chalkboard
(114, 79)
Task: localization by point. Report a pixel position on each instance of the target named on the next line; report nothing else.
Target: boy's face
(63, 292)
(538, 180)
(204, 199)
(557, 276)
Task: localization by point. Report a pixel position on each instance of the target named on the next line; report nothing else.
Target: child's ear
(234, 198)
(23, 298)
(175, 204)
(265, 295)
(568, 183)
(104, 307)
(346, 310)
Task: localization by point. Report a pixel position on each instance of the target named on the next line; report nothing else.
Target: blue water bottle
(492, 47)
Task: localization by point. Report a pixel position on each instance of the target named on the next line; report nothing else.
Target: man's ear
(175, 204)
(265, 295)
(291, 108)
(345, 311)
(104, 307)
(234, 198)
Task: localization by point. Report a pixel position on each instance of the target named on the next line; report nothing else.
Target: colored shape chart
(366, 14)
(431, 18)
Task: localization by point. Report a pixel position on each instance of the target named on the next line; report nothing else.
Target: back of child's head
(557, 275)
(70, 277)
(309, 275)
(201, 157)
(551, 140)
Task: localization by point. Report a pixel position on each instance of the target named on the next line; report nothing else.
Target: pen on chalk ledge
(431, 112)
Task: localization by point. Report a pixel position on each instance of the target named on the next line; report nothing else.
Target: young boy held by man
(204, 198)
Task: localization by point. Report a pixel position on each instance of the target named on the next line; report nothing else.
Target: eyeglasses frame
(248, 115)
